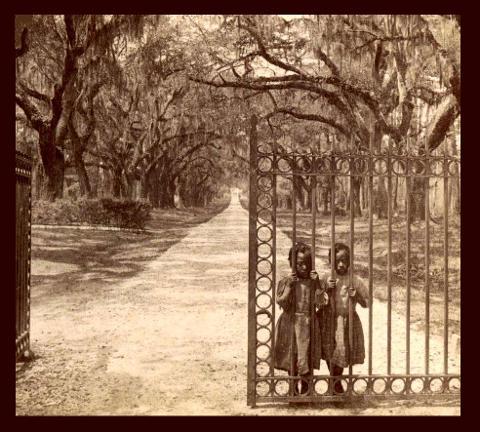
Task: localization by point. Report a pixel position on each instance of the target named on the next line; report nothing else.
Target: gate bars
(266, 164)
(23, 171)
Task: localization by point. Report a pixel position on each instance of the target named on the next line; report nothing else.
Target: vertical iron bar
(427, 259)
(312, 291)
(370, 254)
(274, 251)
(332, 245)
(445, 256)
(22, 255)
(252, 263)
(17, 261)
(294, 270)
(407, 258)
(18, 256)
(350, 299)
(389, 257)
(29, 251)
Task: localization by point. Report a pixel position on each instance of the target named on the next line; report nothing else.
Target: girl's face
(342, 262)
(302, 265)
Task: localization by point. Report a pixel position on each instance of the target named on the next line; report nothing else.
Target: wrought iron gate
(23, 170)
(267, 164)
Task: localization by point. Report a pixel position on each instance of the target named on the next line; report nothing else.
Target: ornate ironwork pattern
(341, 164)
(266, 164)
(23, 169)
(265, 277)
(388, 386)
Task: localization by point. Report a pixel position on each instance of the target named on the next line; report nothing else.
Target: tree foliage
(155, 107)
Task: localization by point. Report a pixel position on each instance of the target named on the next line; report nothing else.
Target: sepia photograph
(237, 215)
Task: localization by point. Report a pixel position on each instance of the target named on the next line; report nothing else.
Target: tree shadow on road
(69, 261)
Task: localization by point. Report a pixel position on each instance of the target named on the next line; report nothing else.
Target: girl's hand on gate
(331, 283)
(321, 297)
(294, 279)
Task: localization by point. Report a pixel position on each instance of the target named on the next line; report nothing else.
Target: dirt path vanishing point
(173, 339)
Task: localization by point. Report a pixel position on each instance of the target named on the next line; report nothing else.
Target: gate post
(23, 171)
(252, 262)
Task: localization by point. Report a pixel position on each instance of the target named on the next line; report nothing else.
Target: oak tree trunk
(84, 181)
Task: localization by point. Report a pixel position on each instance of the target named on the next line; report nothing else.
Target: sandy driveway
(172, 340)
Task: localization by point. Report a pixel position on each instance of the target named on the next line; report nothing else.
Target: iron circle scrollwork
(263, 300)
(264, 267)
(265, 217)
(398, 385)
(265, 147)
(263, 389)
(320, 165)
(399, 165)
(454, 385)
(264, 284)
(453, 168)
(360, 386)
(436, 167)
(264, 164)
(342, 165)
(281, 387)
(284, 165)
(264, 200)
(265, 183)
(359, 166)
(436, 385)
(417, 385)
(264, 334)
(264, 317)
(379, 385)
(343, 382)
(263, 368)
(418, 165)
(264, 250)
(303, 165)
(264, 352)
(380, 165)
(321, 386)
(264, 233)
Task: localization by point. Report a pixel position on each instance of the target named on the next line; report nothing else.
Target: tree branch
(443, 119)
(269, 57)
(37, 95)
(323, 57)
(300, 85)
(239, 156)
(24, 44)
(37, 120)
(313, 117)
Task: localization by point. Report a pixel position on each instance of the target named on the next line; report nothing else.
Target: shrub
(126, 213)
(73, 191)
(60, 212)
(91, 211)
(105, 211)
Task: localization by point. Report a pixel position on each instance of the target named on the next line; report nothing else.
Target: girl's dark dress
(334, 323)
(300, 320)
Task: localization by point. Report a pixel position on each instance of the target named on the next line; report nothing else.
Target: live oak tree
(59, 48)
(354, 75)
(150, 98)
(153, 128)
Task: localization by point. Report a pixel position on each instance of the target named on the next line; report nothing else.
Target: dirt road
(169, 341)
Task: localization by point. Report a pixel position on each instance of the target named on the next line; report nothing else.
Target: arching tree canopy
(157, 106)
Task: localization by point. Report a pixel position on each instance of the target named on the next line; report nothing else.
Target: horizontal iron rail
(360, 376)
(338, 398)
(340, 174)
